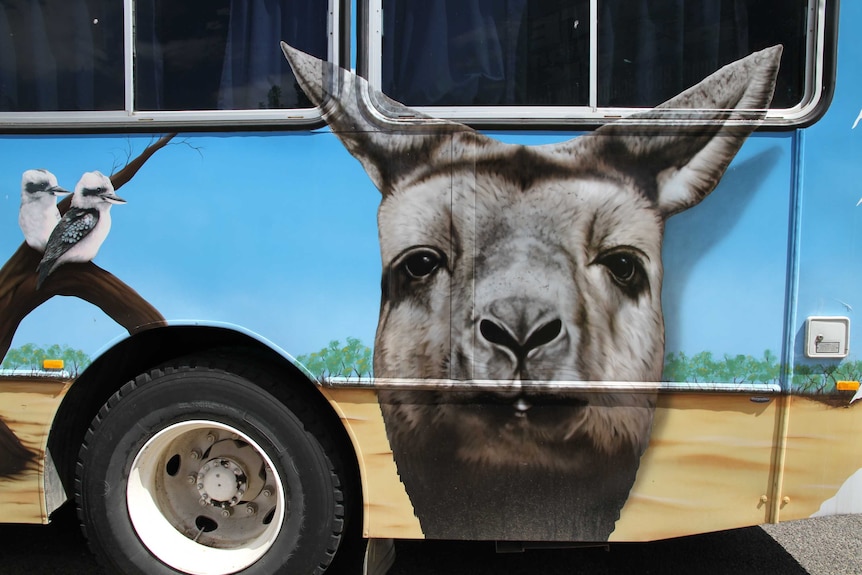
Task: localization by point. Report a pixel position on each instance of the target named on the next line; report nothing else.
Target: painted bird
(38, 214)
(81, 231)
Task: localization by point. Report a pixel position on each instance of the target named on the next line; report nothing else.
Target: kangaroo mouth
(525, 408)
(523, 404)
(522, 425)
(522, 407)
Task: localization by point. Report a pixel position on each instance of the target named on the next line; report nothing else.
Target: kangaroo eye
(621, 266)
(421, 263)
(626, 270)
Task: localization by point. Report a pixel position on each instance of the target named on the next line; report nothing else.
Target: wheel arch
(124, 360)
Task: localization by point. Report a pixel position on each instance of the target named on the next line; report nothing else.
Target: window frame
(131, 119)
(819, 78)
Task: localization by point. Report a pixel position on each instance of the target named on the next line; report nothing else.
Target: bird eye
(421, 263)
(626, 270)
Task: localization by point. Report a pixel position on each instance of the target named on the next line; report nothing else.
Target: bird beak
(58, 191)
(113, 198)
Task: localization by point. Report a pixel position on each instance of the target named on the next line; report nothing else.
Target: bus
(311, 276)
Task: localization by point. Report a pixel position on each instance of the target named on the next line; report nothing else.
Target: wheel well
(158, 346)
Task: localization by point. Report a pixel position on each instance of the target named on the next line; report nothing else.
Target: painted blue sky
(277, 234)
(222, 228)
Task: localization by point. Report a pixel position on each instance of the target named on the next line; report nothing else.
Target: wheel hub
(203, 493)
(221, 482)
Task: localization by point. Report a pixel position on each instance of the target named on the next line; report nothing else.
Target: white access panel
(827, 337)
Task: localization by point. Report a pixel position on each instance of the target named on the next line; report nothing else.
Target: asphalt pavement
(823, 546)
(830, 546)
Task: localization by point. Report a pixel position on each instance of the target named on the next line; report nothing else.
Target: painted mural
(527, 267)
(535, 287)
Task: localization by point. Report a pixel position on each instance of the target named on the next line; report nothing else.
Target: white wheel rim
(181, 522)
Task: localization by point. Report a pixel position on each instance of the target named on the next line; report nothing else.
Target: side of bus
(547, 272)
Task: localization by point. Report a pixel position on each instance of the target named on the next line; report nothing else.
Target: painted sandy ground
(388, 511)
(709, 463)
(28, 406)
(823, 450)
(707, 466)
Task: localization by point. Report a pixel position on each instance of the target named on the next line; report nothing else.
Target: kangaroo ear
(391, 140)
(680, 150)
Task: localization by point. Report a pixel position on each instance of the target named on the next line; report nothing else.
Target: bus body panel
(287, 235)
(176, 243)
(820, 438)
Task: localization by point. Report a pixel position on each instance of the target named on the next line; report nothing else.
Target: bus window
(595, 56)
(82, 63)
(209, 55)
(61, 55)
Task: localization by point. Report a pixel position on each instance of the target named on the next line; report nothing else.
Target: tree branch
(19, 296)
(14, 457)
(87, 281)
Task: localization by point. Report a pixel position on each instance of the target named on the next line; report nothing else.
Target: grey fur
(529, 266)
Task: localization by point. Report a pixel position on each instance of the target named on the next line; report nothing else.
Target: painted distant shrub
(807, 378)
(352, 359)
(30, 356)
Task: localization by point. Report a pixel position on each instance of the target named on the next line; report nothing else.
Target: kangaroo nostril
(496, 334)
(545, 334)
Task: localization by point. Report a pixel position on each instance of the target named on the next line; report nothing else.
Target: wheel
(200, 470)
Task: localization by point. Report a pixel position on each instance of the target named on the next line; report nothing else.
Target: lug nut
(225, 512)
(211, 438)
(249, 509)
(191, 479)
(195, 454)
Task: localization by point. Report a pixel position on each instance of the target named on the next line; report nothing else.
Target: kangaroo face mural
(516, 269)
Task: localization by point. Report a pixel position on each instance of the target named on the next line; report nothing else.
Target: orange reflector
(58, 364)
(847, 385)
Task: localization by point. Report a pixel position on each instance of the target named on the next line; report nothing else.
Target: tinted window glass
(223, 54)
(61, 55)
(651, 51)
(537, 52)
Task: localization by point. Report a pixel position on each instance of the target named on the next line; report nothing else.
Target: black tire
(227, 461)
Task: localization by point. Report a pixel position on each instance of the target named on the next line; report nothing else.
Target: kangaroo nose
(520, 344)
